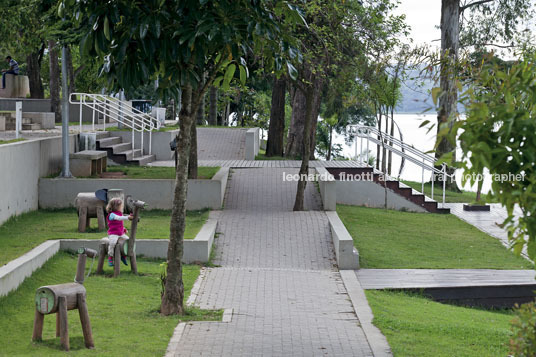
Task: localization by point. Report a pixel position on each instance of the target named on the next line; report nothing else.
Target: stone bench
(17, 86)
(88, 163)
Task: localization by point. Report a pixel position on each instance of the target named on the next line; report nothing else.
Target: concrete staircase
(30, 120)
(121, 152)
(396, 186)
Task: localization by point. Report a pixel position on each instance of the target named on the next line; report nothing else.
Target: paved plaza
(276, 270)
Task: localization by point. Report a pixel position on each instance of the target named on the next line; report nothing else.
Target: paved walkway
(277, 273)
(264, 163)
(220, 143)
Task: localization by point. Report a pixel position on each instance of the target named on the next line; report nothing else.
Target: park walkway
(277, 272)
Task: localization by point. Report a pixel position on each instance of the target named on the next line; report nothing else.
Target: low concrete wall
(328, 189)
(21, 165)
(28, 105)
(252, 143)
(370, 194)
(159, 142)
(13, 273)
(17, 86)
(345, 252)
(158, 194)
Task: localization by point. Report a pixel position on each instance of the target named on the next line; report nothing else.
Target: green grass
(450, 196)
(145, 172)
(11, 141)
(22, 233)
(417, 326)
(398, 240)
(123, 312)
(262, 156)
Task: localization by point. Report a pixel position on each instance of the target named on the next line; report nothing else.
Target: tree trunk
(172, 299)
(390, 158)
(295, 138)
(54, 69)
(70, 70)
(384, 151)
(34, 76)
(213, 106)
(317, 100)
(450, 26)
(201, 112)
(276, 130)
(192, 163)
(378, 152)
(304, 168)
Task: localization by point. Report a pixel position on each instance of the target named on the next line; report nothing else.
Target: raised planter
(196, 250)
(346, 254)
(158, 194)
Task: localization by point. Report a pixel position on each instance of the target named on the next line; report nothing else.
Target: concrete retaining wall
(21, 165)
(345, 252)
(370, 194)
(328, 189)
(158, 194)
(13, 273)
(252, 143)
(28, 105)
(159, 142)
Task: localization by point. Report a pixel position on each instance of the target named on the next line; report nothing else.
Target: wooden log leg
(100, 219)
(102, 255)
(82, 219)
(38, 326)
(117, 260)
(133, 264)
(84, 320)
(57, 324)
(88, 221)
(64, 328)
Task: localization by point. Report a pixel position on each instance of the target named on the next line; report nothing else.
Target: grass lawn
(450, 196)
(123, 312)
(22, 233)
(11, 141)
(262, 156)
(396, 240)
(417, 326)
(146, 172)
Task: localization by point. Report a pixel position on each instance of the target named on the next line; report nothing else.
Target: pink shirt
(115, 227)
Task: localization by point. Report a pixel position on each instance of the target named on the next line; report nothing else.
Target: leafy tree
(187, 45)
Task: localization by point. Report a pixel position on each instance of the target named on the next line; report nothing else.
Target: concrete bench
(88, 163)
(17, 86)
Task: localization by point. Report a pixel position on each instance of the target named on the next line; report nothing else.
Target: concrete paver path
(277, 274)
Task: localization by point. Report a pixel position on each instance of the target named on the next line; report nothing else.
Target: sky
(423, 16)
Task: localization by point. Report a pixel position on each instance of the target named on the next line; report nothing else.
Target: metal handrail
(113, 109)
(405, 151)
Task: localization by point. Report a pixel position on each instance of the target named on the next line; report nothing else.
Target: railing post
(360, 149)
(80, 112)
(132, 140)
(433, 179)
(444, 182)
(141, 134)
(367, 150)
(93, 117)
(150, 141)
(422, 176)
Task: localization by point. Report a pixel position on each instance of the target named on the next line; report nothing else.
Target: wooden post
(117, 260)
(102, 253)
(84, 320)
(38, 326)
(100, 219)
(64, 328)
(80, 269)
(57, 324)
(83, 219)
(132, 240)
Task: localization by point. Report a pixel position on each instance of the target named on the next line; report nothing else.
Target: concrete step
(130, 155)
(31, 126)
(144, 160)
(120, 148)
(109, 141)
(102, 134)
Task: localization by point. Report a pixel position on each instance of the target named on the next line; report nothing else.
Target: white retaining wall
(252, 143)
(345, 252)
(21, 165)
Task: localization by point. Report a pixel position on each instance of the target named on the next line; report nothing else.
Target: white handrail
(400, 148)
(113, 109)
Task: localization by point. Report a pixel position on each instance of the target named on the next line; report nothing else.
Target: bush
(523, 341)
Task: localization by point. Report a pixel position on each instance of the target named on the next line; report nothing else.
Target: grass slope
(123, 312)
(450, 196)
(417, 326)
(146, 172)
(11, 141)
(22, 233)
(397, 240)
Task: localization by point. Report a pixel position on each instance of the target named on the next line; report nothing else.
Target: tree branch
(480, 2)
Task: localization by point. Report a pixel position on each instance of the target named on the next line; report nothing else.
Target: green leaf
(435, 94)
(292, 71)
(107, 28)
(243, 75)
(229, 73)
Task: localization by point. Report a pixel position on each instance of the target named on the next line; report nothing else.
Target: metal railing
(107, 107)
(400, 148)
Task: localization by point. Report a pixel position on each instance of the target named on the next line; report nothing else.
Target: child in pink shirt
(116, 229)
